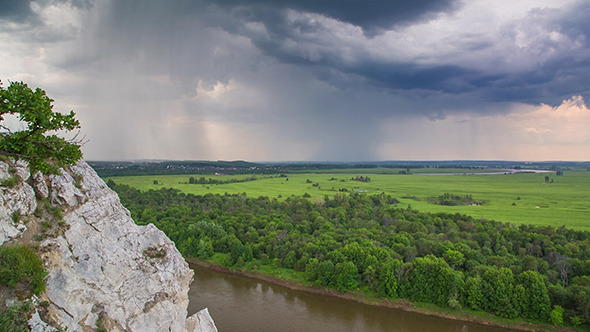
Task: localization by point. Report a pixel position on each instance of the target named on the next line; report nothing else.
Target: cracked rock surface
(16, 199)
(104, 268)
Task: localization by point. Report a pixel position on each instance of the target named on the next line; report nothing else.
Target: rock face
(17, 198)
(104, 270)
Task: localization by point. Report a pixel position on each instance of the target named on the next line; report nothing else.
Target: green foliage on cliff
(34, 136)
(21, 267)
(15, 317)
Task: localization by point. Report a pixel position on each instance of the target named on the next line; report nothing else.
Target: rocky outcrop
(17, 198)
(104, 270)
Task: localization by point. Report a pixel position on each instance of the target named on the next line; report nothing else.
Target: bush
(556, 316)
(15, 317)
(576, 321)
(11, 182)
(20, 264)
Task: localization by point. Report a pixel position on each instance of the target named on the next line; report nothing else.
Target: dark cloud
(21, 11)
(305, 42)
(372, 16)
(550, 83)
(558, 72)
(317, 79)
(16, 11)
(563, 65)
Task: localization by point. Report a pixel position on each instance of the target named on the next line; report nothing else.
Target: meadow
(525, 198)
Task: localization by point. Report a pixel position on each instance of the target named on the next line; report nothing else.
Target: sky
(309, 80)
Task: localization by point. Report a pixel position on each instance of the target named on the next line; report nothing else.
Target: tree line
(203, 180)
(357, 241)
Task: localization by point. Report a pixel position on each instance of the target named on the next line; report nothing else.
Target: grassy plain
(519, 198)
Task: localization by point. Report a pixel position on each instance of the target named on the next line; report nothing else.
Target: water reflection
(243, 304)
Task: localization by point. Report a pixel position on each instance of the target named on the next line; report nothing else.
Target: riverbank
(399, 304)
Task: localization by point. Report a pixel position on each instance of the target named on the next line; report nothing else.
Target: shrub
(154, 252)
(20, 264)
(15, 317)
(556, 316)
(16, 216)
(11, 182)
(576, 321)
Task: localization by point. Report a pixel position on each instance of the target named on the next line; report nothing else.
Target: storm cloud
(298, 80)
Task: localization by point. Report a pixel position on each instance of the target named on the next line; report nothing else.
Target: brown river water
(242, 304)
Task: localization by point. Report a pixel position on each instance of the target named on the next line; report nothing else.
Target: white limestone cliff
(104, 270)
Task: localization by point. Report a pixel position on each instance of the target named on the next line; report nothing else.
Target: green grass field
(566, 201)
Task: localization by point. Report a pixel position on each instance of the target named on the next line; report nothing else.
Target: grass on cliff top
(519, 198)
(15, 317)
(22, 269)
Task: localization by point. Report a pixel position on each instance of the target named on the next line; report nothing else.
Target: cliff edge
(104, 271)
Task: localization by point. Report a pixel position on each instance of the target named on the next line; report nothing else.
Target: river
(243, 304)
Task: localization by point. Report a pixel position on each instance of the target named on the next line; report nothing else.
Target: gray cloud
(372, 16)
(25, 11)
(16, 11)
(174, 38)
(559, 70)
(274, 79)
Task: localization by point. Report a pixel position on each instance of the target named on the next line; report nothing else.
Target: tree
(473, 295)
(535, 303)
(205, 248)
(388, 281)
(326, 273)
(369, 276)
(433, 281)
(563, 266)
(312, 269)
(454, 258)
(498, 292)
(37, 141)
(347, 277)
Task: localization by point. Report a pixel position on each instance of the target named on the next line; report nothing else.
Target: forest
(364, 242)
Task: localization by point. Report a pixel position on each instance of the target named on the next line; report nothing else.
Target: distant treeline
(361, 178)
(358, 241)
(112, 169)
(454, 200)
(115, 168)
(203, 180)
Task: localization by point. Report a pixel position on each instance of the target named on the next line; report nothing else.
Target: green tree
(454, 258)
(347, 278)
(432, 280)
(205, 248)
(37, 141)
(326, 273)
(370, 276)
(536, 303)
(247, 254)
(236, 249)
(388, 281)
(473, 295)
(312, 269)
(497, 290)
(290, 259)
